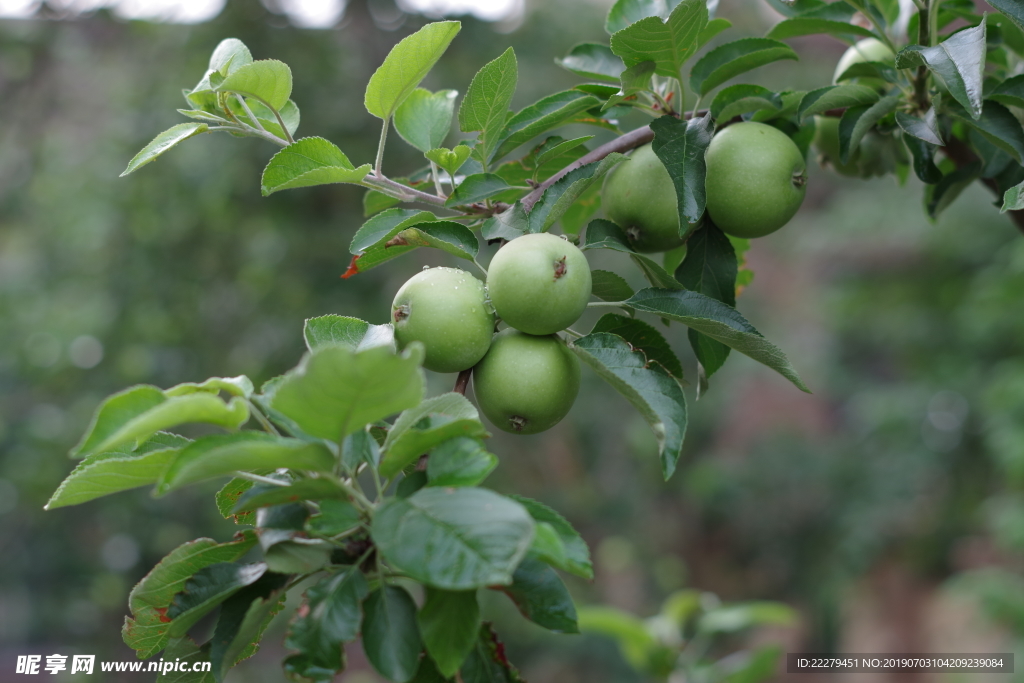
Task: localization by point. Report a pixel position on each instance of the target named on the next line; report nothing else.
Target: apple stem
(462, 382)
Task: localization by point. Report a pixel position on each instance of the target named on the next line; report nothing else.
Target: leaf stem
(606, 304)
(435, 173)
(262, 419)
(482, 269)
(260, 479)
(399, 191)
(380, 147)
(252, 117)
(924, 38)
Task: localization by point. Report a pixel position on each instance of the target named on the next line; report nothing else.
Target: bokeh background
(886, 508)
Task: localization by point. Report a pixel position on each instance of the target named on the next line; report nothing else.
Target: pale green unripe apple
(639, 196)
(526, 384)
(445, 309)
(755, 179)
(867, 50)
(539, 283)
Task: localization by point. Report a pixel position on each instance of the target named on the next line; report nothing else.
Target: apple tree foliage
(347, 481)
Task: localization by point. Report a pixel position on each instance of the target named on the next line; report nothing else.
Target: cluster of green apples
(525, 378)
(754, 185)
(878, 153)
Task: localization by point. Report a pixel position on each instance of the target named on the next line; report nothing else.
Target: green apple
(867, 50)
(526, 384)
(826, 142)
(445, 309)
(755, 179)
(639, 196)
(539, 283)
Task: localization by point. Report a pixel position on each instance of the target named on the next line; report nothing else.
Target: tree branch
(623, 143)
(962, 155)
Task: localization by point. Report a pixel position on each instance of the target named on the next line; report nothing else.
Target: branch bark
(962, 155)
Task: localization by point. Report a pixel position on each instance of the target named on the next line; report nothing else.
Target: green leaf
(267, 80)
(809, 25)
(450, 160)
(487, 100)
(654, 273)
(243, 619)
(448, 236)
(309, 162)
(541, 116)
(710, 268)
(456, 539)
(487, 662)
(884, 71)
(959, 61)
(633, 638)
(732, 59)
(542, 598)
(511, 223)
(229, 495)
(360, 447)
(186, 651)
(1013, 200)
(718, 321)
(857, 121)
(669, 43)
(146, 630)
(206, 589)
(460, 462)
(835, 97)
(733, 618)
(681, 146)
(265, 115)
(425, 118)
(924, 129)
(335, 391)
(940, 195)
(712, 29)
(643, 338)
(609, 286)
(263, 495)
(558, 198)
(335, 517)
(330, 615)
(351, 333)
(163, 142)
(635, 79)
(547, 546)
(406, 65)
(230, 55)
(391, 638)
(137, 413)
(555, 149)
(449, 622)
(102, 474)
(1010, 92)
(739, 99)
(236, 386)
(222, 454)
(603, 234)
(626, 12)
(423, 427)
(577, 555)
(477, 187)
(655, 393)
(384, 226)
(593, 60)
(1012, 10)
(996, 124)
(924, 159)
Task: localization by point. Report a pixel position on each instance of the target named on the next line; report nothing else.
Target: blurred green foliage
(910, 452)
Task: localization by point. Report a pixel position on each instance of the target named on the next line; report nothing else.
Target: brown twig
(962, 155)
(462, 382)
